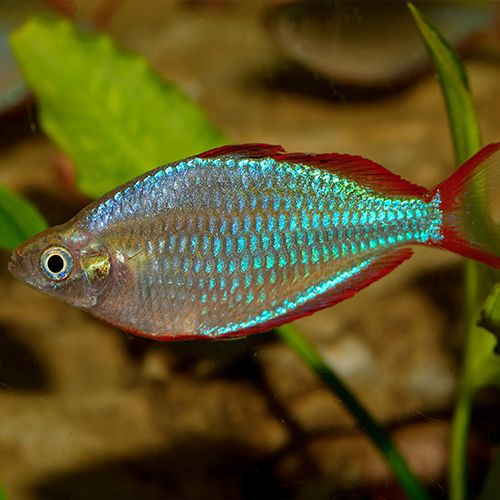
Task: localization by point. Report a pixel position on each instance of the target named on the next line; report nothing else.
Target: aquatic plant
(19, 219)
(481, 367)
(106, 108)
(87, 93)
(93, 127)
(350, 43)
(490, 315)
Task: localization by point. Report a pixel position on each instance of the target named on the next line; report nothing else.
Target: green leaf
(455, 86)
(19, 220)
(115, 119)
(466, 139)
(481, 366)
(490, 315)
(105, 107)
(309, 354)
(492, 483)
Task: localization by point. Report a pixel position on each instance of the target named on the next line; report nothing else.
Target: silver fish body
(229, 244)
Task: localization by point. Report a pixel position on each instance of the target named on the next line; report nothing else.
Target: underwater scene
(249, 249)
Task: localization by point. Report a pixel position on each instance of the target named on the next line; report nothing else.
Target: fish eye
(56, 263)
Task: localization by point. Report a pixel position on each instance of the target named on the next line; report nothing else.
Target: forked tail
(468, 201)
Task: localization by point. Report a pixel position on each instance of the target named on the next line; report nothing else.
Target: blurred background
(88, 412)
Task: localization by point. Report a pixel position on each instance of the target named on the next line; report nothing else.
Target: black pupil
(55, 263)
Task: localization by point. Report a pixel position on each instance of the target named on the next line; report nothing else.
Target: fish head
(64, 263)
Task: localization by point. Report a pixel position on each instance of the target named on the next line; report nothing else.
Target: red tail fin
(467, 199)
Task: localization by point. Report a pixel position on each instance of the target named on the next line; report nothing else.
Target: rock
(327, 465)
(372, 44)
(392, 357)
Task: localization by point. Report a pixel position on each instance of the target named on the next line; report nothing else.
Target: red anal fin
(377, 269)
(256, 150)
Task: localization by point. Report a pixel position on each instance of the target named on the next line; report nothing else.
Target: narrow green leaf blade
(455, 86)
(492, 483)
(105, 107)
(481, 366)
(413, 488)
(115, 129)
(19, 220)
(490, 315)
(466, 139)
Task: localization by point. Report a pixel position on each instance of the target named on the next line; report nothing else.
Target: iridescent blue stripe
(288, 305)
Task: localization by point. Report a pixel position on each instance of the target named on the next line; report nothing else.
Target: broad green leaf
(481, 366)
(105, 107)
(490, 315)
(19, 220)
(115, 118)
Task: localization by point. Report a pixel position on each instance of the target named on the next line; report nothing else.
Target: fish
(241, 239)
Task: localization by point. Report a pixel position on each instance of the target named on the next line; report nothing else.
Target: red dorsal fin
(256, 150)
(378, 268)
(357, 168)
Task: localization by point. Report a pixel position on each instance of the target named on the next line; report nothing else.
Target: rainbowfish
(241, 239)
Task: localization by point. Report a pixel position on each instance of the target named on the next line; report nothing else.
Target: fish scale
(243, 238)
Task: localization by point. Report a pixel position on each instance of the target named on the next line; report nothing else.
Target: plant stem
(478, 362)
(309, 354)
(459, 440)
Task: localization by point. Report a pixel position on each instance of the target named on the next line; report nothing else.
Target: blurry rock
(188, 470)
(221, 410)
(79, 354)
(91, 385)
(156, 368)
(392, 357)
(324, 466)
(20, 367)
(40, 435)
(372, 43)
